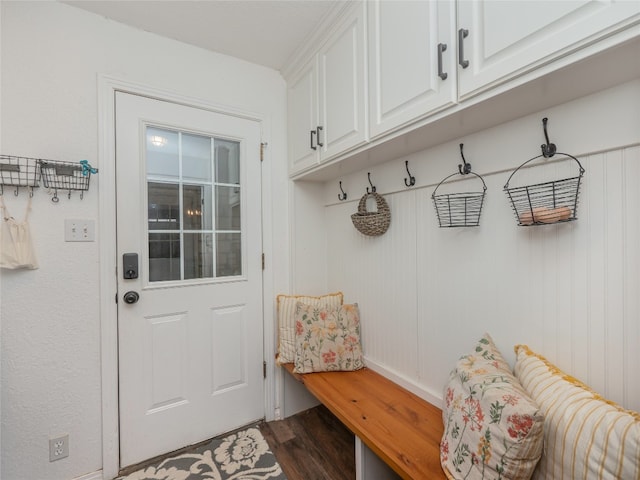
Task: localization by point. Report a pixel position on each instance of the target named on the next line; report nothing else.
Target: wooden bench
(399, 427)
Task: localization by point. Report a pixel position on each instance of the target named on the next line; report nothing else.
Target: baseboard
(419, 390)
(91, 476)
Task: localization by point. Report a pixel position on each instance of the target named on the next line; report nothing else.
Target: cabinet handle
(318, 130)
(462, 34)
(312, 133)
(441, 48)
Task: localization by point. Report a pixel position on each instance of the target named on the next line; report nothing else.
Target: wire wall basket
(548, 202)
(459, 209)
(18, 172)
(67, 176)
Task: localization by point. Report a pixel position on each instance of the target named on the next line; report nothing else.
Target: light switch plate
(79, 230)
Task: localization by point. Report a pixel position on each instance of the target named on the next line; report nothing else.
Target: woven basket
(372, 224)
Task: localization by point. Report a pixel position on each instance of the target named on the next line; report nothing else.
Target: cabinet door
(403, 61)
(342, 88)
(506, 39)
(302, 97)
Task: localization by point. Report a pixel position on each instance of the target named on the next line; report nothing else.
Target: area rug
(243, 455)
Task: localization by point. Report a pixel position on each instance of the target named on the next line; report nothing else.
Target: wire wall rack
(54, 174)
(19, 172)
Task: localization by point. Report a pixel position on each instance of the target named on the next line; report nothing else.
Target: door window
(194, 206)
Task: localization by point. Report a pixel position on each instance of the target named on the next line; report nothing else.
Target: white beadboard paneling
(631, 288)
(614, 258)
(373, 270)
(569, 291)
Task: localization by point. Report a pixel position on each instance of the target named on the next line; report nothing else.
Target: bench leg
(369, 466)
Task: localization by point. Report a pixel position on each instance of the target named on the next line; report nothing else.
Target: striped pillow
(585, 436)
(287, 321)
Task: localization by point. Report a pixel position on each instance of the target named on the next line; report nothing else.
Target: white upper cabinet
(327, 99)
(303, 118)
(412, 61)
(499, 40)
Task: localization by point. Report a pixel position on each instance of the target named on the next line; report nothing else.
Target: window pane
(164, 257)
(196, 157)
(228, 255)
(227, 208)
(164, 208)
(227, 161)
(198, 255)
(197, 207)
(162, 152)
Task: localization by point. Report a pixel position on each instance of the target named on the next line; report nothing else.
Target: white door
(188, 205)
(506, 39)
(412, 69)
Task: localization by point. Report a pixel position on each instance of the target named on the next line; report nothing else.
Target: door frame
(107, 88)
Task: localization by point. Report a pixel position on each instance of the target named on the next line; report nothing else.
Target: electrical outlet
(58, 448)
(79, 230)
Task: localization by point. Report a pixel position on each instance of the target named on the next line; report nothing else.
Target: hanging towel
(16, 247)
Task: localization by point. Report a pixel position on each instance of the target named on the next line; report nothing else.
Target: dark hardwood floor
(312, 445)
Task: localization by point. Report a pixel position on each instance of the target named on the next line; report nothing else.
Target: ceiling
(266, 32)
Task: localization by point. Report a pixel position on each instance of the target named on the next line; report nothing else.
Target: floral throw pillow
(287, 323)
(493, 429)
(327, 339)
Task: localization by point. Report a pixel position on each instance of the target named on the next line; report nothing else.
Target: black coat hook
(373, 189)
(342, 197)
(412, 179)
(548, 149)
(467, 166)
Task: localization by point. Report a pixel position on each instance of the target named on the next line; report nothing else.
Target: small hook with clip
(412, 179)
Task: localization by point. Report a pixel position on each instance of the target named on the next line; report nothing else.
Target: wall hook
(17, 191)
(467, 166)
(373, 189)
(342, 197)
(548, 149)
(412, 179)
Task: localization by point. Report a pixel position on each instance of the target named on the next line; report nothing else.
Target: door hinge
(116, 298)
(264, 369)
(263, 261)
(262, 147)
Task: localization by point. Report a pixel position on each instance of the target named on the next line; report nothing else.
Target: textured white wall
(52, 55)
(570, 291)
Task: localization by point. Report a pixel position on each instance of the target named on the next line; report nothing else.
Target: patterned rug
(243, 455)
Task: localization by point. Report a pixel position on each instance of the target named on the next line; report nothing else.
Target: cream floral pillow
(492, 427)
(287, 323)
(327, 339)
